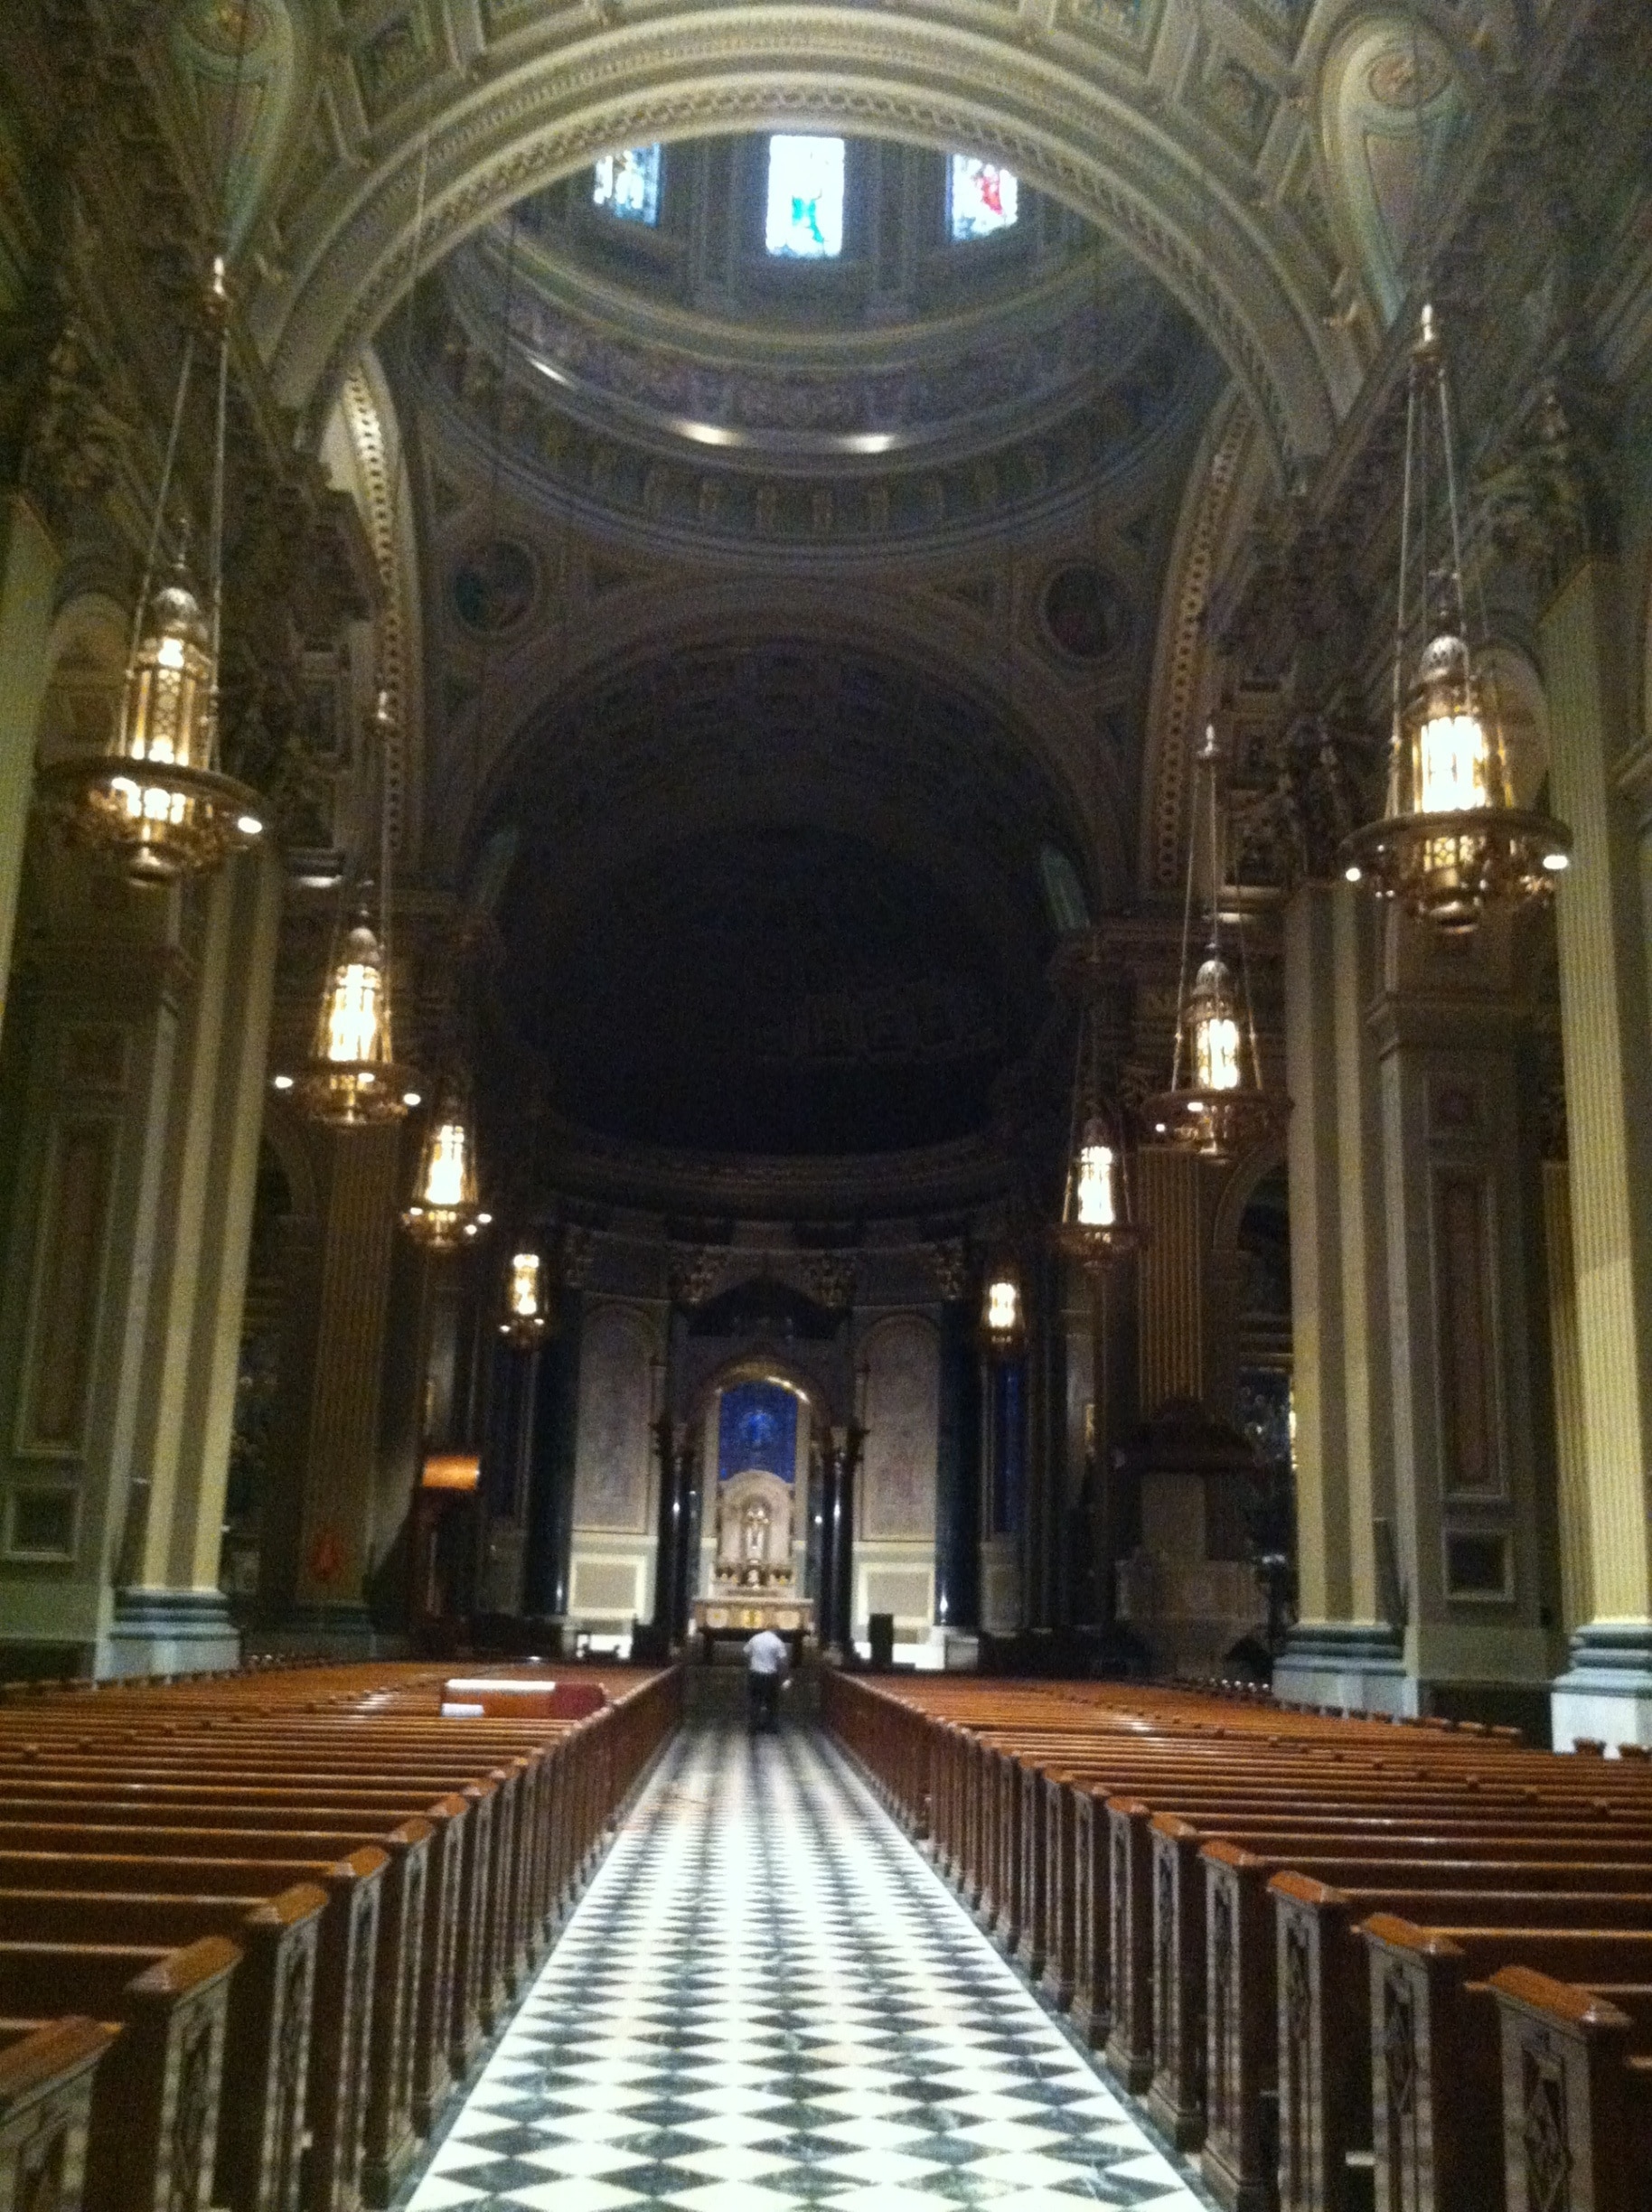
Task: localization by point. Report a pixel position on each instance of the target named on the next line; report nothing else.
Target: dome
(673, 371)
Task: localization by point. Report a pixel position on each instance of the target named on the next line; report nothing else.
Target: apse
(783, 899)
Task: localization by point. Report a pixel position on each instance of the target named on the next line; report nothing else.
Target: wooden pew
(48, 2073)
(228, 1789)
(1154, 1950)
(153, 2120)
(267, 2028)
(428, 2007)
(1436, 2050)
(1313, 1957)
(1577, 2092)
(348, 1966)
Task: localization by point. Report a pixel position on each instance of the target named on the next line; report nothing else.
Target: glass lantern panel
(1215, 1039)
(352, 1023)
(445, 1179)
(1450, 764)
(1096, 1199)
(806, 198)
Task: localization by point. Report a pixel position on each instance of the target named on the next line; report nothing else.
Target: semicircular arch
(1025, 701)
(477, 142)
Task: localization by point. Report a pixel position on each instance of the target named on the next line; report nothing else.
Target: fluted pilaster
(1603, 967)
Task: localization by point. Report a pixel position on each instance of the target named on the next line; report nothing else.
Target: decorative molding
(871, 75)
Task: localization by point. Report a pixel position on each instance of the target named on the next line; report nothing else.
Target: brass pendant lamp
(1451, 843)
(1003, 1309)
(528, 1301)
(154, 804)
(1097, 1227)
(351, 1078)
(445, 1212)
(529, 1306)
(1218, 1103)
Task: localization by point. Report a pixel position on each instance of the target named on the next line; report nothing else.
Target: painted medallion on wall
(1086, 612)
(494, 586)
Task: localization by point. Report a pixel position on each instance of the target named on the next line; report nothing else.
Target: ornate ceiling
(776, 897)
(678, 388)
(775, 624)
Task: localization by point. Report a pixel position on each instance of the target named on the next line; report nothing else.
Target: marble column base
(1001, 1585)
(1357, 1664)
(1606, 1692)
(168, 1632)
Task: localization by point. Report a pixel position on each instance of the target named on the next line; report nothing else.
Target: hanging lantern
(154, 803)
(1226, 1109)
(445, 1212)
(1096, 1227)
(1003, 1314)
(351, 1080)
(527, 1299)
(1452, 842)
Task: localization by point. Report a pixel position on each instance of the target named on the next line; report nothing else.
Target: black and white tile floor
(767, 2000)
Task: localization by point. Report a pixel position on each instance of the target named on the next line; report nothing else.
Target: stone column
(506, 1468)
(1473, 1447)
(1003, 1486)
(29, 565)
(958, 1474)
(1576, 1580)
(169, 1608)
(341, 1541)
(1346, 1648)
(1169, 1278)
(1601, 922)
(134, 1078)
(551, 1501)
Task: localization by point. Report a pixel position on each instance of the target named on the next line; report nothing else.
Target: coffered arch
(551, 686)
(1120, 134)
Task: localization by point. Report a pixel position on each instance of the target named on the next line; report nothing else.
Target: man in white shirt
(766, 1659)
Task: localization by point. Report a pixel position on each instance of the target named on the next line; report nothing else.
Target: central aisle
(766, 1999)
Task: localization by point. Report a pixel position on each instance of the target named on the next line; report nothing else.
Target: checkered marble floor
(767, 2000)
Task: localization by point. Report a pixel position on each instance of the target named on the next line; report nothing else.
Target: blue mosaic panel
(758, 1427)
(806, 198)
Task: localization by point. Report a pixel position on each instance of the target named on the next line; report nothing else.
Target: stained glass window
(628, 184)
(805, 202)
(981, 197)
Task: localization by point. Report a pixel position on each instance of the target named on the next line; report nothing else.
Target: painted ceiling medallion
(494, 586)
(1408, 74)
(1086, 613)
(229, 27)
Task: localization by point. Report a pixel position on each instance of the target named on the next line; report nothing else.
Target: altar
(754, 1552)
(740, 1614)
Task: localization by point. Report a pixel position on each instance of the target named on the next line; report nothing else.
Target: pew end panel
(47, 2077)
(1577, 2113)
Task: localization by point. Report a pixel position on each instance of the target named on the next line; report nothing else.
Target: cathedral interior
(826, 1105)
(779, 602)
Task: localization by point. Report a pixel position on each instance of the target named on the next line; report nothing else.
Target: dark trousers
(763, 1699)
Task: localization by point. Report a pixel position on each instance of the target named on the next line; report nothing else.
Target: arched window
(806, 198)
(627, 184)
(980, 198)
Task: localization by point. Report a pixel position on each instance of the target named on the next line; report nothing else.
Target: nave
(766, 1999)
